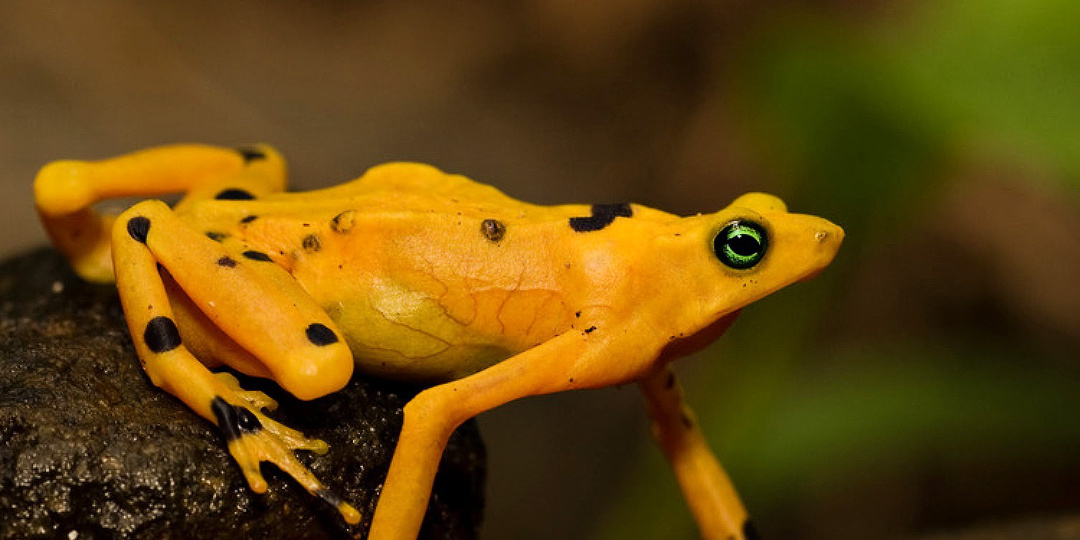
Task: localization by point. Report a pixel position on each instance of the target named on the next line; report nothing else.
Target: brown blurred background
(929, 380)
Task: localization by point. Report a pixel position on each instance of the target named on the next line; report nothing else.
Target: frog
(409, 273)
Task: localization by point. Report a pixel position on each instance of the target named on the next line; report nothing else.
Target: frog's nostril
(829, 234)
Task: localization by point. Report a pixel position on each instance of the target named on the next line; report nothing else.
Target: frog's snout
(829, 235)
(827, 238)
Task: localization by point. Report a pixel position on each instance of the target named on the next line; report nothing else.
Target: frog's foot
(258, 400)
(253, 438)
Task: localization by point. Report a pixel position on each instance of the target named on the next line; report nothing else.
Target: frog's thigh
(433, 415)
(142, 238)
(65, 191)
(719, 513)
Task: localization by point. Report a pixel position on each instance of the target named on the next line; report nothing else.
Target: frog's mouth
(811, 275)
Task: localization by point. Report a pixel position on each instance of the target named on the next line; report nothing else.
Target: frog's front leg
(719, 513)
(433, 415)
(256, 307)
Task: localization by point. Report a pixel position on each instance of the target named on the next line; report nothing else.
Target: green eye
(741, 244)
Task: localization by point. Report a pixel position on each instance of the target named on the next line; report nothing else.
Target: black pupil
(743, 244)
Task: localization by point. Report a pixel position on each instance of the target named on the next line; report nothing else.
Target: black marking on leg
(138, 227)
(227, 262)
(329, 496)
(493, 230)
(250, 153)
(249, 219)
(233, 420)
(343, 223)
(216, 236)
(161, 335)
(257, 256)
(320, 335)
(233, 194)
(669, 383)
(590, 329)
(602, 216)
(311, 243)
(749, 531)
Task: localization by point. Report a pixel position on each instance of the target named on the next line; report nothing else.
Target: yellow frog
(410, 273)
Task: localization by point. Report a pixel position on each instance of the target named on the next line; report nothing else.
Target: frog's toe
(291, 437)
(253, 438)
(348, 512)
(265, 445)
(258, 400)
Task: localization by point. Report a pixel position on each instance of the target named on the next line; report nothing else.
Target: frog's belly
(415, 340)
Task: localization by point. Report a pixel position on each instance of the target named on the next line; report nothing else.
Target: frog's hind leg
(149, 234)
(65, 191)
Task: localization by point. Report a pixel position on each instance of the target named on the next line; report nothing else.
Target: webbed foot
(253, 438)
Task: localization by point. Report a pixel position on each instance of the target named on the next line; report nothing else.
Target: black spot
(233, 194)
(343, 223)
(320, 335)
(227, 262)
(577, 314)
(670, 382)
(232, 420)
(138, 227)
(249, 219)
(216, 236)
(686, 421)
(161, 335)
(247, 420)
(749, 531)
(590, 329)
(250, 153)
(493, 229)
(257, 256)
(311, 243)
(602, 216)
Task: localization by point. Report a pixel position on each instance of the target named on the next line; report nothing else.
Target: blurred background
(929, 380)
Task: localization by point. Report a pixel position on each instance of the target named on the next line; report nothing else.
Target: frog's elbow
(313, 379)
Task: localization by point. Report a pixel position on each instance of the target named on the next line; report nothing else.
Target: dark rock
(90, 449)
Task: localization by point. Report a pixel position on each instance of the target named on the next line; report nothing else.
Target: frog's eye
(741, 244)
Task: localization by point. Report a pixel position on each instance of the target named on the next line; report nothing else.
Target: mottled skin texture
(411, 273)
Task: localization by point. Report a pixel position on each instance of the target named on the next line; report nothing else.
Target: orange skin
(413, 274)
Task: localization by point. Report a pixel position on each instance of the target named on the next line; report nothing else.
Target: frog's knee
(63, 187)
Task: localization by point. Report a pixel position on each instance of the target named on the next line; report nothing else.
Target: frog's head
(742, 253)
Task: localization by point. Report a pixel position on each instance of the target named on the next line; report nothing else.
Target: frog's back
(430, 275)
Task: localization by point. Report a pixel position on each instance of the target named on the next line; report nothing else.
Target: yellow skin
(413, 274)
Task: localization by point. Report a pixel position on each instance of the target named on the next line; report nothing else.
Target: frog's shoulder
(419, 178)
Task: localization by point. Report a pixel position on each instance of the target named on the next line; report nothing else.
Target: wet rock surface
(90, 449)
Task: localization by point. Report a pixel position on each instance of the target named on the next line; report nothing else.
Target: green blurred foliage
(866, 122)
